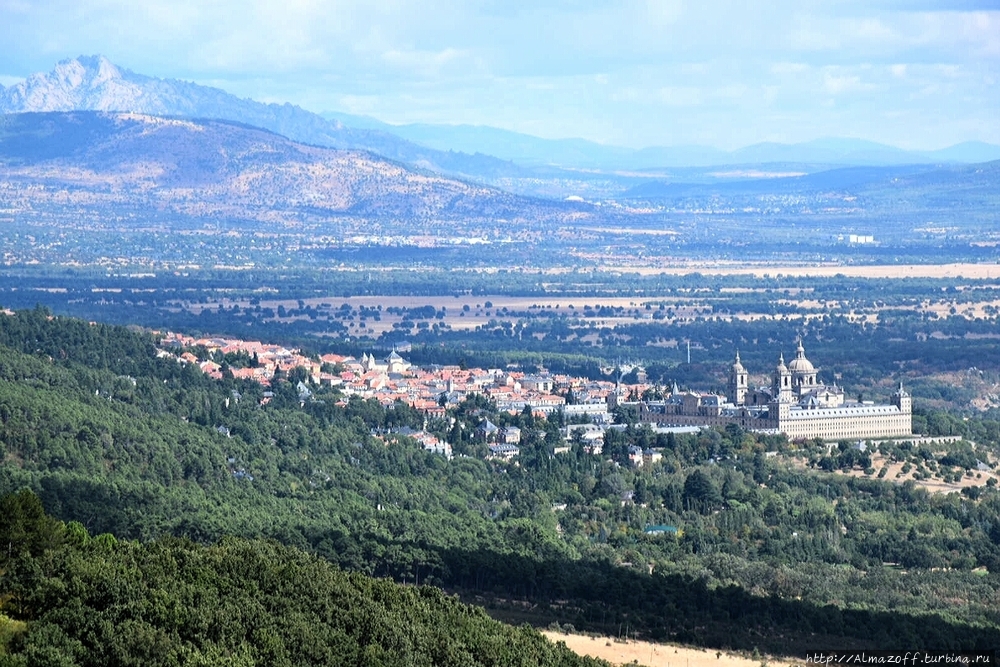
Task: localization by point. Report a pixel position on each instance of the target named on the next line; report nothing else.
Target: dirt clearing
(654, 655)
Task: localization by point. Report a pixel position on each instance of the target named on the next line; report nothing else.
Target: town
(796, 405)
(429, 390)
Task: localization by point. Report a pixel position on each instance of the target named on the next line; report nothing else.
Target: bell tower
(738, 381)
(781, 387)
(901, 399)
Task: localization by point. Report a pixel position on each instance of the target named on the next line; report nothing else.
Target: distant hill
(965, 178)
(94, 83)
(141, 168)
(893, 200)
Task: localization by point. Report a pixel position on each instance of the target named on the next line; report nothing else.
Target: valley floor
(969, 270)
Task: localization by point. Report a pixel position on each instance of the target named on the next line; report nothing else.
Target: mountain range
(107, 166)
(94, 83)
(527, 150)
(487, 154)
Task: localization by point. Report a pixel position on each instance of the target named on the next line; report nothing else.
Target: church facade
(795, 403)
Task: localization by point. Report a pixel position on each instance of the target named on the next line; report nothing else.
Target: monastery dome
(800, 364)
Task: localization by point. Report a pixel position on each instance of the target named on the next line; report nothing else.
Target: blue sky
(912, 73)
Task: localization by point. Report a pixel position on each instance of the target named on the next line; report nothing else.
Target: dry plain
(652, 654)
(466, 312)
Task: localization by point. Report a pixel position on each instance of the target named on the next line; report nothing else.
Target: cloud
(782, 68)
(680, 96)
(837, 84)
(641, 72)
(431, 63)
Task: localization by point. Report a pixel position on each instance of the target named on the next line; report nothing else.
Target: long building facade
(795, 404)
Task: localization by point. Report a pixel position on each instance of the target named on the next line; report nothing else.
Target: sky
(917, 74)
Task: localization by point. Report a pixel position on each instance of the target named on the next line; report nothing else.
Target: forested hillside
(70, 599)
(769, 552)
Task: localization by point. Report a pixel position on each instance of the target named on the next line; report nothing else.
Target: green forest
(209, 506)
(74, 599)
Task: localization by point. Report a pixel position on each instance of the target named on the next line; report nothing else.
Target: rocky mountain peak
(85, 82)
(93, 71)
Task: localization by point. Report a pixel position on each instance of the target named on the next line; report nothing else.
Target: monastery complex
(795, 402)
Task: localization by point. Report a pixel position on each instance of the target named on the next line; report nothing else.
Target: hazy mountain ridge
(580, 153)
(155, 167)
(96, 84)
